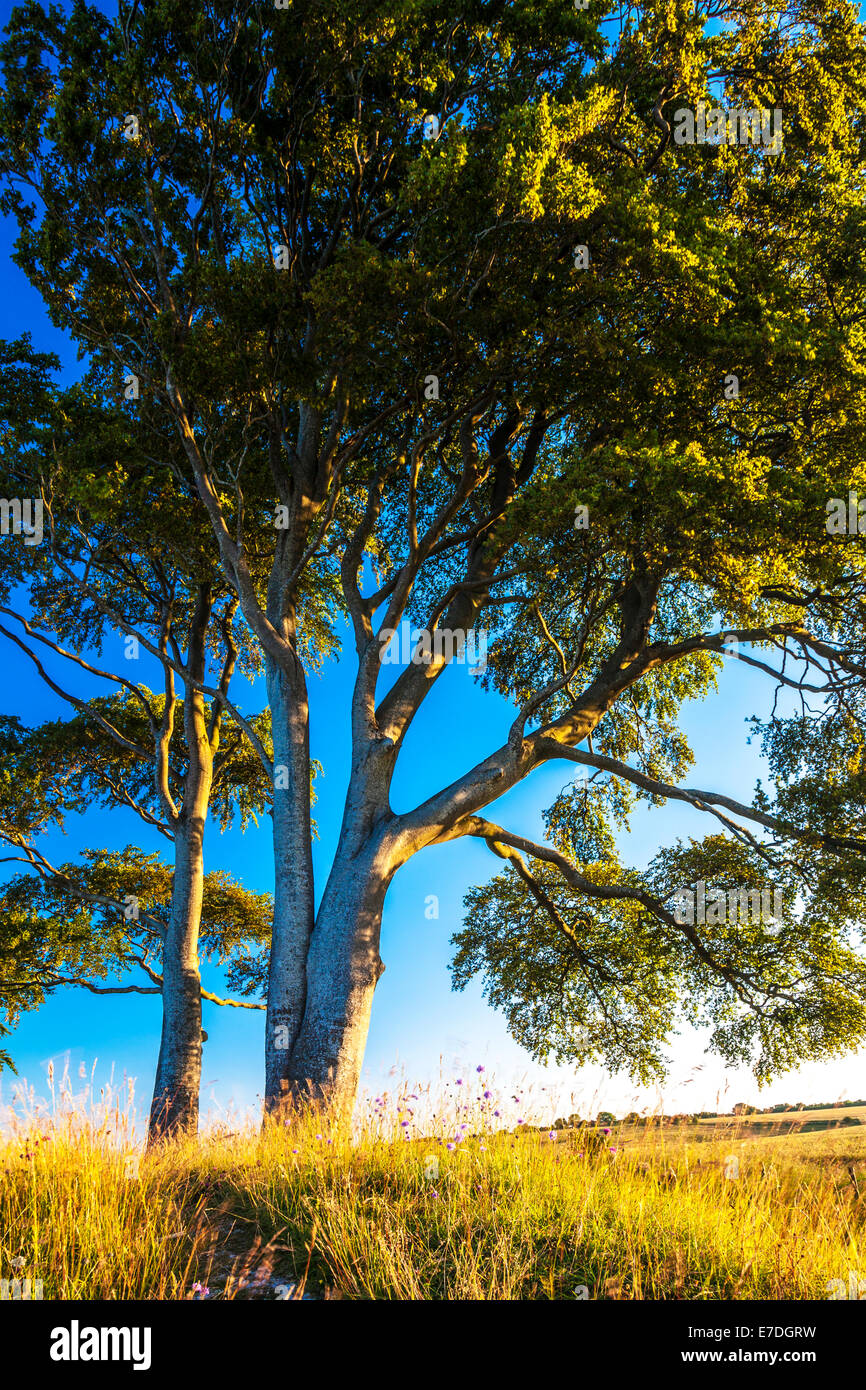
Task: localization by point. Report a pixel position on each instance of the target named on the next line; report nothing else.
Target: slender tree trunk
(174, 1108)
(293, 898)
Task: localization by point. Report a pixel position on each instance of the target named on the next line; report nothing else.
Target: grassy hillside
(628, 1214)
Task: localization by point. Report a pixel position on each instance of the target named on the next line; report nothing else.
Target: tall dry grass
(424, 1197)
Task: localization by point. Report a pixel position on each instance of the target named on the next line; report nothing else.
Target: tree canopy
(404, 295)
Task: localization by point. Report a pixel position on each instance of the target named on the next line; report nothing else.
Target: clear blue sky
(418, 1020)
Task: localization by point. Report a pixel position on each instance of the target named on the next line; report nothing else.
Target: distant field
(809, 1139)
(848, 1127)
(794, 1122)
(831, 1123)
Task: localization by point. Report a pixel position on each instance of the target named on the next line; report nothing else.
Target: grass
(366, 1215)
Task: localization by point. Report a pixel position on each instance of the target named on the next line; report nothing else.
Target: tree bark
(343, 969)
(175, 1104)
(174, 1107)
(293, 867)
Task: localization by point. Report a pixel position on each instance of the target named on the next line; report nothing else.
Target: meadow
(426, 1197)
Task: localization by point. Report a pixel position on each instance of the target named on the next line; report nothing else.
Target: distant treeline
(605, 1117)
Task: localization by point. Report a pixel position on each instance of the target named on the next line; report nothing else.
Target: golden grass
(358, 1215)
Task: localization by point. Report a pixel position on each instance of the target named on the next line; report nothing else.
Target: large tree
(411, 286)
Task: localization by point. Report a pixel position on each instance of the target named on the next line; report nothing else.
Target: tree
(68, 927)
(120, 562)
(417, 292)
(77, 924)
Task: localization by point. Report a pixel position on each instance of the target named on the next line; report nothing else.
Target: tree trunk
(293, 898)
(174, 1108)
(343, 969)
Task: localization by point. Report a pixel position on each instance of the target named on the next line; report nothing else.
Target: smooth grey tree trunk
(293, 901)
(343, 969)
(343, 965)
(175, 1103)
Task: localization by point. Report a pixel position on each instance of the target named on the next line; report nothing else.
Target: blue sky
(419, 1023)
